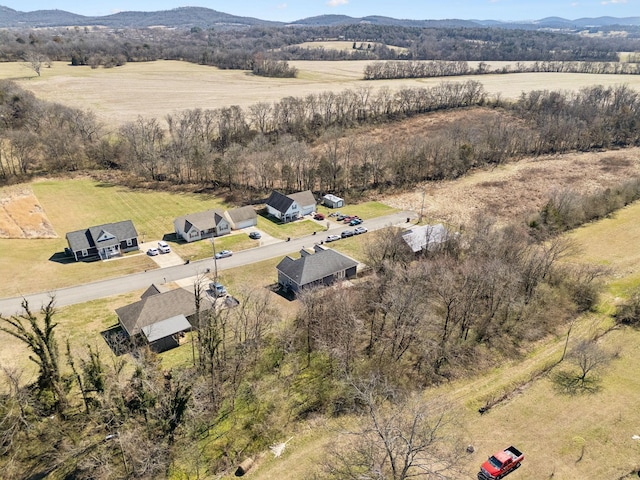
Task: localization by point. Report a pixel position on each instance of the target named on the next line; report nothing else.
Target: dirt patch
(516, 190)
(22, 216)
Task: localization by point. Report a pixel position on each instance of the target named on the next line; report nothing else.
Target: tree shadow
(117, 340)
(568, 383)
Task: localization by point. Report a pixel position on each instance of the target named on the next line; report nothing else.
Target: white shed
(332, 201)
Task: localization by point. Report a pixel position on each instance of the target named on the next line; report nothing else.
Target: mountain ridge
(186, 17)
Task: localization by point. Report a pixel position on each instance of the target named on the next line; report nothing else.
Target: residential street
(115, 286)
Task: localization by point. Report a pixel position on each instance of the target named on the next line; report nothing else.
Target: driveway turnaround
(173, 273)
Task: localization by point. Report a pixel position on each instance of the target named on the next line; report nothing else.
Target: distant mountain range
(187, 17)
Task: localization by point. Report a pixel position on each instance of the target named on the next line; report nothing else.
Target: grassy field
(346, 45)
(155, 89)
(37, 264)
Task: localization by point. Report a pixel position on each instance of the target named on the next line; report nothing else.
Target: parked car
(340, 217)
(347, 233)
(152, 252)
(163, 247)
(223, 254)
(318, 216)
(359, 230)
(332, 238)
(355, 221)
(217, 289)
(255, 236)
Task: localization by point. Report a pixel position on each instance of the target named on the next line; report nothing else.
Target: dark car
(347, 233)
(355, 221)
(318, 216)
(255, 236)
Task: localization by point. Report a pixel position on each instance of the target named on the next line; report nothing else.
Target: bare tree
(35, 61)
(589, 357)
(40, 339)
(402, 437)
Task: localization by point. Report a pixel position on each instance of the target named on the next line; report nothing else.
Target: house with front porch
(288, 208)
(161, 317)
(103, 241)
(196, 226)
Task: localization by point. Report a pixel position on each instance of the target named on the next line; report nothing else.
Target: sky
(290, 10)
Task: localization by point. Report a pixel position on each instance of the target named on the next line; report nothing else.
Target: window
(129, 242)
(84, 253)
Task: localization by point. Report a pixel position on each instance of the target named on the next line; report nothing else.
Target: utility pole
(215, 261)
(424, 191)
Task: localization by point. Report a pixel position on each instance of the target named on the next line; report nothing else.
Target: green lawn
(73, 204)
(295, 229)
(36, 265)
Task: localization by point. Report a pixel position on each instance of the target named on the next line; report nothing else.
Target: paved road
(115, 286)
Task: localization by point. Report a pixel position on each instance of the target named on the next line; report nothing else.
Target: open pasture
(155, 89)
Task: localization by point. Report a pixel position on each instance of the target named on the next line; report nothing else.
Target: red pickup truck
(501, 463)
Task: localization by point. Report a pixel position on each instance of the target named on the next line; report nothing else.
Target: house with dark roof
(196, 226)
(242, 217)
(290, 207)
(103, 241)
(160, 317)
(426, 238)
(321, 268)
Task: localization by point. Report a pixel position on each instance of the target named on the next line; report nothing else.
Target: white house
(197, 226)
(290, 207)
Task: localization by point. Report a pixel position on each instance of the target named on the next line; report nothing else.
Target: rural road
(115, 286)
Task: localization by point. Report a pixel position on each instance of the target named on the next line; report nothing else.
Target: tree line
(426, 69)
(238, 48)
(303, 143)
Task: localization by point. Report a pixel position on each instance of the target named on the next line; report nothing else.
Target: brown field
(22, 216)
(155, 89)
(345, 45)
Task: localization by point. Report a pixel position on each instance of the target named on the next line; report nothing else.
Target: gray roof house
(160, 317)
(320, 268)
(426, 237)
(196, 226)
(103, 241)
(290, 207)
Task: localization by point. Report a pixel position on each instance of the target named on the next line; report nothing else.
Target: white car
(224, 254)
(163, 247)
(332, 238)
(152, 252)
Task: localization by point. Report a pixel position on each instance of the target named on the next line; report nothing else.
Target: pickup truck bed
(500, 464)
